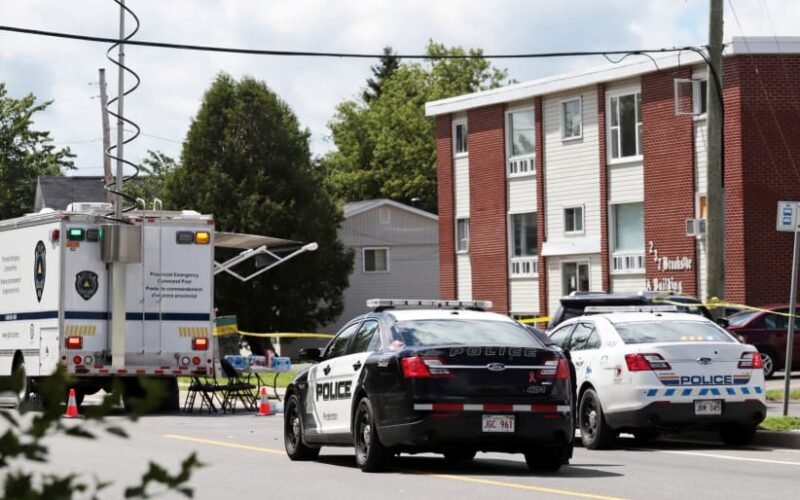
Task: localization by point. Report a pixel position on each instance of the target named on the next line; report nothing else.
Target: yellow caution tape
(715, 302)
(281, 335)
(225, 330)
(542, 319)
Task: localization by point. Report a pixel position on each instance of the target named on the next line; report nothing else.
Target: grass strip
(777, 394)
(781, 424)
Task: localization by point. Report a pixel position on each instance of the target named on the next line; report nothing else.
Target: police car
(661, 371)
(432, 376)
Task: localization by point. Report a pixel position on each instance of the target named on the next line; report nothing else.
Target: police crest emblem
(39, 269)
(86, 284)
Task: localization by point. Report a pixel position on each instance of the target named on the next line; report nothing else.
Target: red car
(768, 332)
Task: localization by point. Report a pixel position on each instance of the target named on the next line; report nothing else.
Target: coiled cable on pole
(115, 152)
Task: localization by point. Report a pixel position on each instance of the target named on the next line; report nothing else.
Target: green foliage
(25, 154)
(24, 440)
(781, 424)
(154, 171)
(777, 394)
(385, 145)
(246, 160)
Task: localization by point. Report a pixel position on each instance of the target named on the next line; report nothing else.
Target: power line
(349, 55)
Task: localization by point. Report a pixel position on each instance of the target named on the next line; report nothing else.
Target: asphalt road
(244, 459)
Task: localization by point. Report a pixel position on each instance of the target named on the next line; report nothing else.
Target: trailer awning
(244, 241)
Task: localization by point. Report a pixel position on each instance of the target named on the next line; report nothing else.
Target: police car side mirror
(723, 322)
(312, 354)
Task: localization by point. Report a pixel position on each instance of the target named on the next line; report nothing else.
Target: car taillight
(555, 368)
(419, 367)
(200, 344)
(751, 360)
(74, 342)
(646, 362)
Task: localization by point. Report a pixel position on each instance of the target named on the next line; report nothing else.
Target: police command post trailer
(56, 297)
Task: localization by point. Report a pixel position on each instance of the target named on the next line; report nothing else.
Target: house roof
(358, 207)
(606, 73)
(59, 191)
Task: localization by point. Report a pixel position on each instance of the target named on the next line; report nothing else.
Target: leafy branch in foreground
(23, 441)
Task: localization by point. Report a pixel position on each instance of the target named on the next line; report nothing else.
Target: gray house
(57, 192)
(396, 249)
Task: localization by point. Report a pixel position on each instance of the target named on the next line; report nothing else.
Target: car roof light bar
(429, 303)
(631, 308)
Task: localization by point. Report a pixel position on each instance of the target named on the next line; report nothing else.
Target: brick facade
(488, 206)
(541, 221)
(605, 275)
(446, 194)
(669, 192)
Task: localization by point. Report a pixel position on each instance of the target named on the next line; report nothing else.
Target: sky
(173, 82)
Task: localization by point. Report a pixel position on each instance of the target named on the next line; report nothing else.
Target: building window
(626, 126)
(460, 137)
(523, 244)
(573, 220)
(699, 97)
(628, 238)
(462, 235)
(575, 277)
(571, 120)
(520, 140)
(376, 260)
(702, 206)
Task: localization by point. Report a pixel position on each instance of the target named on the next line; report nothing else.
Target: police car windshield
(463, 332)
(645, 332)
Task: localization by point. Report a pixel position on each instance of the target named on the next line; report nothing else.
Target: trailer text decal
(39, 270)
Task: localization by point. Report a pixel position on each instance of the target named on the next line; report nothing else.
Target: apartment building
(596, 180)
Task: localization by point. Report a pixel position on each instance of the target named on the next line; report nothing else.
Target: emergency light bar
(632, 308)
(438, 304)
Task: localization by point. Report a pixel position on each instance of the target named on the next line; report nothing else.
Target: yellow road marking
(519, 486)
(489, 482)
(224, 443)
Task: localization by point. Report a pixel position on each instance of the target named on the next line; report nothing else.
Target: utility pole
(106, 134)
(715, 221)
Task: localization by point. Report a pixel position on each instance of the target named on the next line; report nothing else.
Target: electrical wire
(349, 55)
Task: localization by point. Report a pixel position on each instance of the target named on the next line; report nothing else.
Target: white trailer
(56, 295)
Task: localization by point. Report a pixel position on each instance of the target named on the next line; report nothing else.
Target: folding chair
(237, 389)
(207, 389)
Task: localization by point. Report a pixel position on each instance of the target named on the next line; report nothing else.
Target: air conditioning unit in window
(696, 227)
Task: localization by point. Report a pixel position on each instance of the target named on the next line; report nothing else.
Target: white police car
(653, 372)
(443, 377)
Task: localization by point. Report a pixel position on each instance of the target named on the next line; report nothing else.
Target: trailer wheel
(24, 392)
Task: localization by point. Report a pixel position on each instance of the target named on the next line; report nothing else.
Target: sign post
(788, 221)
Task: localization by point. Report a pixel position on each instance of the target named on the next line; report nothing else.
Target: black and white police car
(432, 376)
(660, 371)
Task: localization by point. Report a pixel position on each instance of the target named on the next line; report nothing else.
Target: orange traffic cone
(72, 407)
(264, 409)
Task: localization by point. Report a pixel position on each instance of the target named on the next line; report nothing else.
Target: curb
(772, 439)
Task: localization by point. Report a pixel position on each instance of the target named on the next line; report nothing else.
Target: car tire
(24, 392)
(547, 459)
(455, 456)
(371, 455)
(769, 359)
(595, 432)
(296, 449)
(738, 435)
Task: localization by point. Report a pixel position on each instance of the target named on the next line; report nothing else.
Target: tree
(385, 146)
(25, 154)
(154, 171)
(246, 160)
(389, 62)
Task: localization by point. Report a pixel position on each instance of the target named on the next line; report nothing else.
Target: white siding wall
(701, 169)
(554, 281)
(524, 296)
(522, 194)
(626, 183)
(627, 283)
(572, 167)
(464, 277)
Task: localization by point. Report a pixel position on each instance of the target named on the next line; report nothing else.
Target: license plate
(708, 407)
(498, 423)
